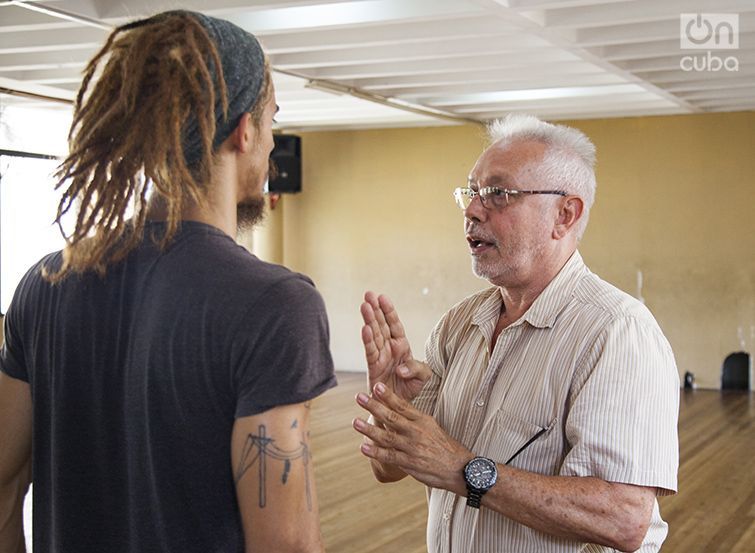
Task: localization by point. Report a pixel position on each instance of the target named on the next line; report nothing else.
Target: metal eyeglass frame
(463, 194)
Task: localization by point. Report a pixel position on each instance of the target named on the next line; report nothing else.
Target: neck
(518, 298)
(218, 209)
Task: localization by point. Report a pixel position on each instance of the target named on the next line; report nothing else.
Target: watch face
(481, 473)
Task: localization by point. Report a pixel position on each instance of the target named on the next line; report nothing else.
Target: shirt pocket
(506, 438)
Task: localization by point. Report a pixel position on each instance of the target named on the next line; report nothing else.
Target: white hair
(569, 160)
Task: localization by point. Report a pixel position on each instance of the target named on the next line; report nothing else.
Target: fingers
(390, 316)
(396, 403)
(368, 315)
(380, 313)
(380, 436)
(386, 445)
(371, 352)
(374, 301)
(372, 316)
(389, 408)
(385, 456)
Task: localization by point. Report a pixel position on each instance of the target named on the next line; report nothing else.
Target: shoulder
(459, 317)
(619, 325)
(272, 293)
(601, 317)
(464, 310)
(294, 290)
(33, 280)
(604, 301)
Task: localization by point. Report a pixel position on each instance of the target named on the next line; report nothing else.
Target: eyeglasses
(493, 197)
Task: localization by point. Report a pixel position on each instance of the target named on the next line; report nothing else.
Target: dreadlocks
(162, 75)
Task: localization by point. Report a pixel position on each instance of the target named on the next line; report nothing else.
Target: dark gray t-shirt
(137, 379)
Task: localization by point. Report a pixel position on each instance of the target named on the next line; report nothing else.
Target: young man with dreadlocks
(156, 377)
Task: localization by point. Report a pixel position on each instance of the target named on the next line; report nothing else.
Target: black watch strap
(474, 496)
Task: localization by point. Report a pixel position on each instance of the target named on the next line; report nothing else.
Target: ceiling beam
(525, 5)
(30, 90)
(37, 60)
(623, 100)
(641, 33)
(637, 11)
(420, 93)
(50, 39)
(566, 42)
(743, 93)
(708, 84)
(664, 78)
(385, 34)
(445, 50)
(83, 12)
(327, 16)
(119, 9)
(492, 63)
(586, 112)
(672, 63)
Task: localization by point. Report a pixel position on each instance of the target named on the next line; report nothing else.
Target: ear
(242, 136)
(568, 214)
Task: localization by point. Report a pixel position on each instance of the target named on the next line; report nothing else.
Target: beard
(512, 258)
(250, 212)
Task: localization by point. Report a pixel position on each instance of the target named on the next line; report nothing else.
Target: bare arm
(585, 509)
(275, 486)
(15, 460)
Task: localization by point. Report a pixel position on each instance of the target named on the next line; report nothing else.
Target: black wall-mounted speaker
(287, 159)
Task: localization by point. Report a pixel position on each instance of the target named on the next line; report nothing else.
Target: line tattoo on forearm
(258, 448)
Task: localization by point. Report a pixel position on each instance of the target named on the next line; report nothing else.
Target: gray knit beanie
(243, 69)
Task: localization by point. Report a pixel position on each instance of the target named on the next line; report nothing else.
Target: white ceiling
(395, 62)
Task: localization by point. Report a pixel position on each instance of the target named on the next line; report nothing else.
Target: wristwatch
(480, 474)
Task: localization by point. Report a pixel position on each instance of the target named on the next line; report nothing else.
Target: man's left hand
(411, 441)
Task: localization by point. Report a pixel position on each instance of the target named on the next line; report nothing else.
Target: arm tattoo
(259, 448)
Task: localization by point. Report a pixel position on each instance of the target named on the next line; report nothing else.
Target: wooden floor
(357, 514)
(714, 511)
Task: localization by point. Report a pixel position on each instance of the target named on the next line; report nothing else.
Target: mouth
(478, 244)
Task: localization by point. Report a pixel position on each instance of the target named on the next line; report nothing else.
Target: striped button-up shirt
(587, 363)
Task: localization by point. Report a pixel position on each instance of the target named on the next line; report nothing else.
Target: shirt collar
(546, 307)
(489, 309)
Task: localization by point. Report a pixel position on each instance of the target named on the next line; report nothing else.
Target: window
(31, 136)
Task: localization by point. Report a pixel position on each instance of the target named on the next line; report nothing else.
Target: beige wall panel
(376, 212)
(675, 201)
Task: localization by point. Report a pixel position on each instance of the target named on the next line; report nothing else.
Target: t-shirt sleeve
(622, 426)
(283, 356)
(12, 358)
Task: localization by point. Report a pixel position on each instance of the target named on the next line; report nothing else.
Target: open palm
(389, 356)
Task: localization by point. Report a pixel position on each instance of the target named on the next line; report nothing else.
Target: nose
(475, 210)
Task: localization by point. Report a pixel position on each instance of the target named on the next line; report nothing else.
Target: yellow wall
(675, 201)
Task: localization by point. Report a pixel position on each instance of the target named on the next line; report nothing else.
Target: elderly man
(544, 417)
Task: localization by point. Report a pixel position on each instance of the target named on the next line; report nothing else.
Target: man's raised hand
(389, 356)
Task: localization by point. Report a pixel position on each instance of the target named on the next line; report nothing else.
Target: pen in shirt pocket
(530, 441)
